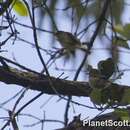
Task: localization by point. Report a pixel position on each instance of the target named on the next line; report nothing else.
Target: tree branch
(35, 82)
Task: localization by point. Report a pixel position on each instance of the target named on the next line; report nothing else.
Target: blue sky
(27, 55)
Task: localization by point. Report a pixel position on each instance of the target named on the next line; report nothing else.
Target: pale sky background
(27, 56)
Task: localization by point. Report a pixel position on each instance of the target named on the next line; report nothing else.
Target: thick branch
(36, 82)
(41, 83)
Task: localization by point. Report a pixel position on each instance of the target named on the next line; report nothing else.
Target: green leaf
(123, 30)
(127, 31)
(20, 8)
(79, 9)
(96, 96)
(122, 113)
(119, 29)
(117, 7)
(121, 42)
(126, 97)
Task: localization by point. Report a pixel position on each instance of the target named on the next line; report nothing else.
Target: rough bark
(41, 83)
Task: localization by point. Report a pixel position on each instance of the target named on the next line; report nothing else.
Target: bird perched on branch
(95, 78)
(70, 42)
(106, 68)
(99, 77)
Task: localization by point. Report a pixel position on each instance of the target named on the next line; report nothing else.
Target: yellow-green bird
(106, 68)
(69, 42)
(95, 78)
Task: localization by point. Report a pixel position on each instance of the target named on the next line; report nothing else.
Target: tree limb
(40, 83)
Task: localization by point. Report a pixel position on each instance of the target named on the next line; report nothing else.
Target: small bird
(96, 80)
(106, 68)
(69, 41)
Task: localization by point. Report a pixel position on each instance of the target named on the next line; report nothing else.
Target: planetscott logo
(105, 123)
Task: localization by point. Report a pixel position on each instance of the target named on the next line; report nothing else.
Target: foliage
(20, 8)
(17, 5)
